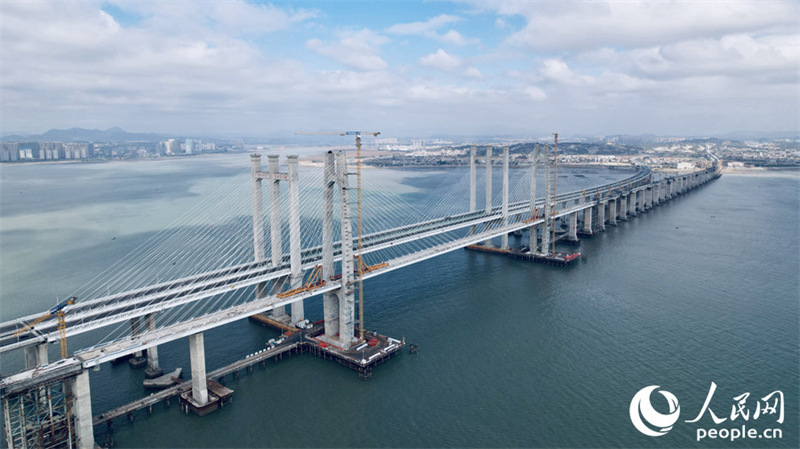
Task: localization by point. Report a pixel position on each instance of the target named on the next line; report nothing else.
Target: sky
(404, 68)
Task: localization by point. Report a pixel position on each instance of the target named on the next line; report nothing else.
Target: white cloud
(578, 26)
(420, 28)
(473, 72)
(441, 60)
(358, 50)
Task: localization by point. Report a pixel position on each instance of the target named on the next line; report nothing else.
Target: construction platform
(363, 357)
(218, 396)
(559, 259)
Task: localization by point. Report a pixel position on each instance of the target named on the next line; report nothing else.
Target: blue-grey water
(702, 289)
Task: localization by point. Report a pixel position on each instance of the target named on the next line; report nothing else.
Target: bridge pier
(548, 207)
(601, 215)
(296, 276)
(153, 370)
(345, 292)
(35, 356)
(197, 356)
(533, 230)
(258, 220)
(82, 411)
(587, 221)
(330, 300)
(612, 212)
(276, 250)
(488, 188)
(572, 234)
(504, 210)
(634, 203)
(623, 207)
(138, 360)
(473, 189)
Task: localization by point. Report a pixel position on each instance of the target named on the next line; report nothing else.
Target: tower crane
(360, 266)
(57, 310)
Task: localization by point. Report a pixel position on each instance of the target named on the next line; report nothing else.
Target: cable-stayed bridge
(223, 286)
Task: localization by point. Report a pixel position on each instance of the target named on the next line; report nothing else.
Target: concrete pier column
(632, 203)
(35, 356)
(488, 187)
(258, 220)
(612, 212)
(473, 187)
(601, 215)
(152, 370)
(623, 207)
(504, 237)
(534, 158)
(138, 360)
(197, 355)
(296, 276)
(82, 411)
(548, 193)
(533, 239)
(346, 293)
(276, 250)
(330, 300)
(587, 220)
(573, 226)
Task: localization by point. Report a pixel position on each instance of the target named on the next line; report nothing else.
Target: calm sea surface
(702, 289)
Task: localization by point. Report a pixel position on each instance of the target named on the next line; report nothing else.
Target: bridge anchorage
(49, 405)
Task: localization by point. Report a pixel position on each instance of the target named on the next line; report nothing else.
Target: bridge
(48, 396)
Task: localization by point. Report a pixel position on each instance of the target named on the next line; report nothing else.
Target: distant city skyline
(403, 68)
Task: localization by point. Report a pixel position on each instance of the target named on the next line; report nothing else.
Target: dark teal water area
(703, 289)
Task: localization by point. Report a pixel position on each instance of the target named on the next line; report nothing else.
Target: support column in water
(504, 210)
(488, 188)
(346, 293)
(573, 226)
(296, 276)
(258, 220)
(197, 356)
(473, 188)
(138, 360)
(587, 220)
(152, 370)
(330, 300)
(545, 157)
(276, 251)
(532, 231)
(601, 215)
(612, 212)
(623, 207)
(82, 411)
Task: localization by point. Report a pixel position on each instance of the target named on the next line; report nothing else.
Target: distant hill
(115, 134)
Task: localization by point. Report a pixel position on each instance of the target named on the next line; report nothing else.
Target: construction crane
(58, 310)
(360, 266)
